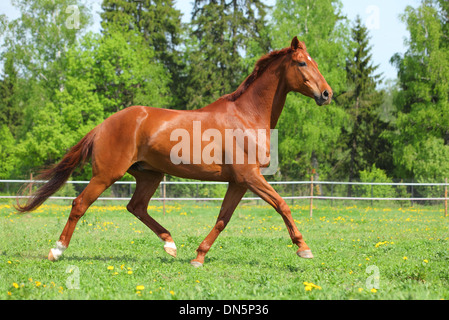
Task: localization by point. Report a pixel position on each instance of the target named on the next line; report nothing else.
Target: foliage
(362, 144)
(58, 81)
(376, 191)
(220, 31)
(308, 131)
(6, 150)
(421, 139)
(158, 24)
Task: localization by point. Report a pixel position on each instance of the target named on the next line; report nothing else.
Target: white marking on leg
(169, 245)
(57, 252)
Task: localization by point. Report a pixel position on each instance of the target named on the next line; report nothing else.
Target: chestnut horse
(139, 140)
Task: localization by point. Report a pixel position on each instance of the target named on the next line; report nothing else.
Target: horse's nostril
(325, 94)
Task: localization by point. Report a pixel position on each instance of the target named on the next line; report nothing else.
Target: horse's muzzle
(324, 98)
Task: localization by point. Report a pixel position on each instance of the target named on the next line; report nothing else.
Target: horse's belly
(188, 171)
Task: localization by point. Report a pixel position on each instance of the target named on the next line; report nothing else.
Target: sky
(380, 16)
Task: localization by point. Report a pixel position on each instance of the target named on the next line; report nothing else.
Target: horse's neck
(265, 98)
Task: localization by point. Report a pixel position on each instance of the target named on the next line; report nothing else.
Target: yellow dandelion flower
(373, 290)
(110, 268)
(172, 292)
(130, 272)
(405, 258)
(309, 286)
(15, 285)
(426, 261)
(140, 287)
(38, 283)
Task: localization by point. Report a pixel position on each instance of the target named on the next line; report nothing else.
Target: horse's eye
(302, 64)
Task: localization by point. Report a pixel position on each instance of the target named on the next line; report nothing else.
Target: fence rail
(288, 192)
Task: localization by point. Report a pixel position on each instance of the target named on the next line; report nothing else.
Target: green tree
(221, 32)
(7, 151)
(421, 141)
(34, 50)
(127, 73)
(39, 39)
(361, 143)
(11, 113)
(159, 23)
(104, 75)
(375, 175)
(308, 133)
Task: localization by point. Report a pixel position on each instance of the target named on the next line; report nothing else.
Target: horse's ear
(295, 44)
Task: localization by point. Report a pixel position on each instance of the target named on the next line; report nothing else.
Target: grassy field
(360, 253)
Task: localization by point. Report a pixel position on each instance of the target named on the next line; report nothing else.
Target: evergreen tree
(11, 113)
(361, 142)
(159, 22)
(7, 151)
(221, 35)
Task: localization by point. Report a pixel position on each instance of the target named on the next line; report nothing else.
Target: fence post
(293, 193)
(311, 193)
(31, 184)
(445, 197)
(332, 195)
(163, 193)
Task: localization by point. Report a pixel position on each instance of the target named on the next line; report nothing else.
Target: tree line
(58, 81)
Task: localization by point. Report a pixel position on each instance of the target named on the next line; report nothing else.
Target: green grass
(112, 253)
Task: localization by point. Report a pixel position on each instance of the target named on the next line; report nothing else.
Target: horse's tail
(60, 173)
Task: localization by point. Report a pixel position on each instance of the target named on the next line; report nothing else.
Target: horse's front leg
(257, 184)
(232, 198)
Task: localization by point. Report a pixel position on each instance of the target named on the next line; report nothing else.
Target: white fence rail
(289, 192)
(310, 183)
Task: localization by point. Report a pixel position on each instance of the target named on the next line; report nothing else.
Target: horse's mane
(261, 65)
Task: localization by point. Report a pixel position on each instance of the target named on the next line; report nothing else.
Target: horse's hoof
(56, 253)
(170, 248)
(306, 254)
(51, 257)
(196, 264)
(170, 251)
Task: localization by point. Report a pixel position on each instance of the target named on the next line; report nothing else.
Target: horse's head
(304, 77)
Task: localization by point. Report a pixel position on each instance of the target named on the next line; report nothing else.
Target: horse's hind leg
(146, 185)
(93, 190)
(232, 198)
